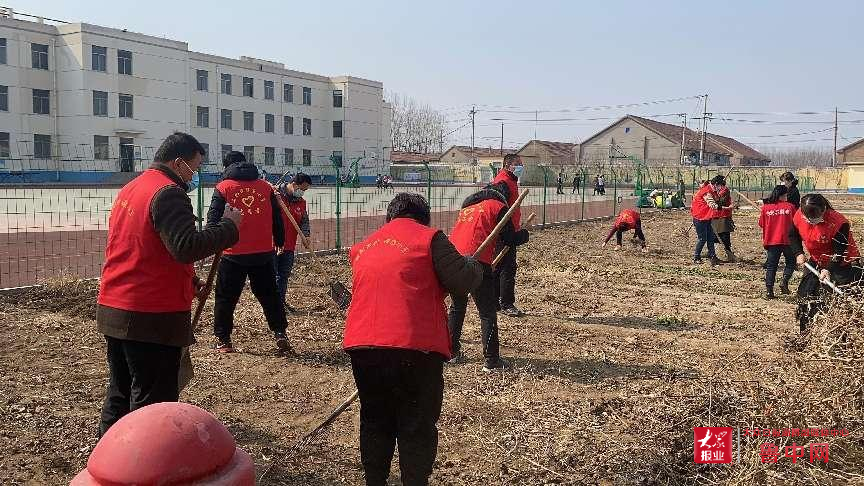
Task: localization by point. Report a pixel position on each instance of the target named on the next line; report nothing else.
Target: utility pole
(472, 113)
(704, 129)
(502, 140)
(535, 124)
(683, 134)
(834, 153)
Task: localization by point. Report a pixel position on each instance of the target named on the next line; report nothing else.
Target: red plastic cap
(163, 443)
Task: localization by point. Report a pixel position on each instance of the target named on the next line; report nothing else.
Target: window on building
(41, 101)
(288, 93)
(99, 58)
(4, 98)
(100, 147)
(307, 126)
(268, 90)
(307, 96)
(100, 103)
(203, 117)
(226, 119)
(2, 50)
(206, 147)
(248, 87)
(269, 123)
(226, 149)
(269, 155)
(289, 156)
(337, 98)
(41, 146)
(337, 129)
(202, 77)
(249, 152)
(124, 62)
(336, 158)
(125, 106)
(307, 157)
(39, 53)
(249, 121)
(226, 84)
(288, 125)
(4, 144)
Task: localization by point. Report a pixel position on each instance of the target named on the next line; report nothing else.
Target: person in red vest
(627, 219)
(148, 283)
(775, 220)
(292, 194)
(827, 237)
(703, 209)
(479, 215)
(396, 335)
(253, 255)
(722, 223)
(505, 272)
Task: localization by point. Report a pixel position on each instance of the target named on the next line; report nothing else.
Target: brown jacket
(174, 220)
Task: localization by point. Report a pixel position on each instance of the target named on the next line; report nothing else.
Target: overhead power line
(517, 110)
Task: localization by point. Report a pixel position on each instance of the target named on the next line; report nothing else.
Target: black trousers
(230, 280)
(726, 239)
(637, 231)
(401, 392)
(505, 274)
(812, 294)
(773, 259)
(487, 307)
(140, 374)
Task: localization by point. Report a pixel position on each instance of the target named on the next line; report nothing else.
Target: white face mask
(297, 193)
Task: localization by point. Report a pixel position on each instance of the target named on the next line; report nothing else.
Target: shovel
(187, 372)
(829, 283)
(338, 292)
(746, 198)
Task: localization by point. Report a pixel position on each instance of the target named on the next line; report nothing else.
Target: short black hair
(178, 145)
(501, 188)
(779, 190)
(409, 205)
(814, 205)
(233, 157)
(718, 180)
(788, 176)
(301, 178)
(509, 159)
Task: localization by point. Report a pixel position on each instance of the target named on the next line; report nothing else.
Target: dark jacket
(793, 195)
(292, 199)
(246, 171)
(175, 221)
(458, 274)
(508, 236)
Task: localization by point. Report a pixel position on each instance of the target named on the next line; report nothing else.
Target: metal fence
(49, 232)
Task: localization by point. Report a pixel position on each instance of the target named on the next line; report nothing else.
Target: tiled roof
(554, 149)
(483, 151)
(716, 144)
(850, 146)
(413, 157)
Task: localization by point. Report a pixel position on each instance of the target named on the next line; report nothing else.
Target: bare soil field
(620, 355)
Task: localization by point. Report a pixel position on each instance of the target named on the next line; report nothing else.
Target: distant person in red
(479, 215)
(627, 219)
(396, 335)
(505, 272)
(702, 209)
(722, 223)
(292, 194)
(827, 237)
(776, 222)
(148, 283)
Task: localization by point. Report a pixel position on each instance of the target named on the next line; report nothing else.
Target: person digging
(627, 219)
(292, 195)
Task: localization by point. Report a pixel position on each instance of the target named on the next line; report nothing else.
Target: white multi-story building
(78, 97)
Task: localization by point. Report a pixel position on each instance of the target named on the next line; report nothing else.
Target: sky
(760, 62)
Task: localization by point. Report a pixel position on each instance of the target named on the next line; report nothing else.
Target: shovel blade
(340, 294)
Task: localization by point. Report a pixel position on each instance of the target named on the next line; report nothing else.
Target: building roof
(413, 157)
(850, 146)
(555, 149)
(482, 151)
(715, 144)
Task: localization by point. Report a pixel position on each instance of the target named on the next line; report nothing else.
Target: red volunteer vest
(700, 209)
(398, 301)
(724, 199)
(627, 219)
(139, 274)
(297, 209)
(513, 186)
(775, 221)
(252, 198)
(817, 238)
(472, 227)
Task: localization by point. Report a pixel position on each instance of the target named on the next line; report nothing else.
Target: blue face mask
(195, 182)
(517, 170)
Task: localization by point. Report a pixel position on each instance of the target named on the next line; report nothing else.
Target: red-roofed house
(462, 155)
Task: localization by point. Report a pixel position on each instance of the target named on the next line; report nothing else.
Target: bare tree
(799, 156)
(415, 127)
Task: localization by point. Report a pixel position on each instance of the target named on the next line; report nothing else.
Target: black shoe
(497, 364)
(769, 293)
(223, 346)
(290, 309)
(714, 261)
(458, 358)
(282, 343)
(511, 311)
(784, 287)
